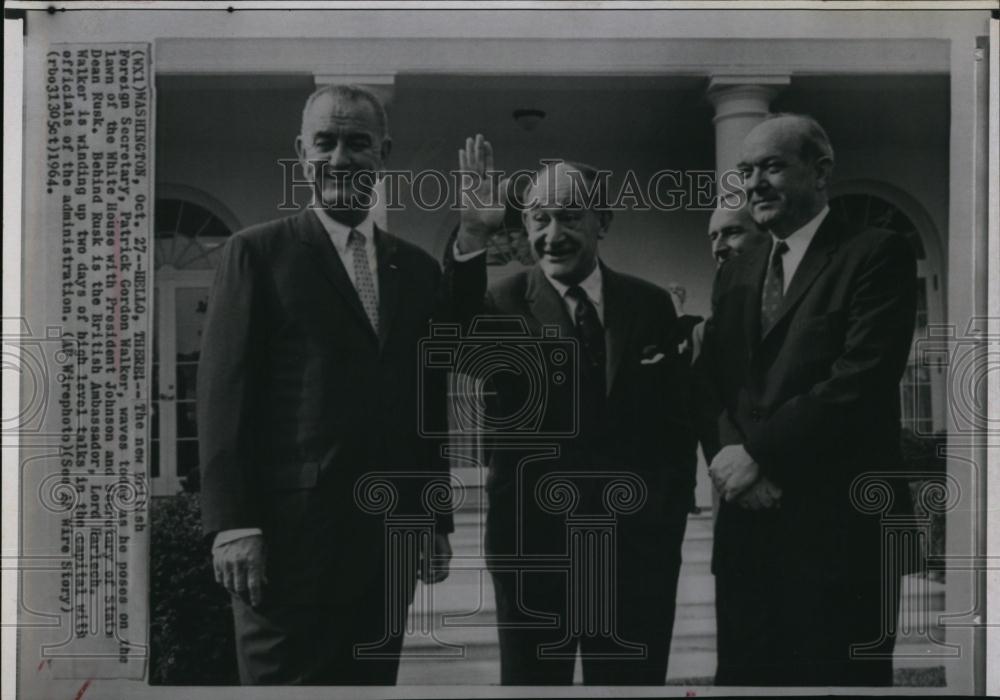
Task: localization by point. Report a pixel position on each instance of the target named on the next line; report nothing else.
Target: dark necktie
(774, 288)
(590, 332)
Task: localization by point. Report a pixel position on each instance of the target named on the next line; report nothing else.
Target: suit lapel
(617, 322)
(754, 271)
(388, 283)
(545, 304)
(328, 261)
(548, 308)
(817, 257)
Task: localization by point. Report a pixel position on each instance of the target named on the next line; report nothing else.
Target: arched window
(873, 204)
(191, 228)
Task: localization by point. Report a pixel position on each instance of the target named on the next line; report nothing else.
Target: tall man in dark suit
(808, 340)
(584, 528)
(307, 384)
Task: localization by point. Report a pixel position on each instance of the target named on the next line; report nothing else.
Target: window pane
(187, 379)
(154, 457)
(186, 417)
(187, 456)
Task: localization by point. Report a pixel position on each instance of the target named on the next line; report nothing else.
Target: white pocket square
(652, 360)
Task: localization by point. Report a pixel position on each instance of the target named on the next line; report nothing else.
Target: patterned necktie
(364, 283)
(774, 288)
(590, 332)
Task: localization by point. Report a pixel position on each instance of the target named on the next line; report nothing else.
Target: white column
(384, 87)
(741, 102)
(969, 364)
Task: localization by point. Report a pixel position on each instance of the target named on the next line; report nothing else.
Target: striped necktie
(364, 283)
(774, 288)
(590, 332)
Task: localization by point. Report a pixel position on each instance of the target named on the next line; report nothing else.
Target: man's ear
(386, 149)
(824, 171)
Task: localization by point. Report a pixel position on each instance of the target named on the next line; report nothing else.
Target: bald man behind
(731, 230)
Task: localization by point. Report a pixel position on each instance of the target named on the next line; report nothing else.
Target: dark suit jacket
(298, 398)
(645, 427)
(816, 400)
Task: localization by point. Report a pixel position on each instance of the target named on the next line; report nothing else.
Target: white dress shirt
(798, 242)
(338, 234)
(592, 285)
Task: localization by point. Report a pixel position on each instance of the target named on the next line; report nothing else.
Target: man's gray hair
(815, 143)
(591, 184)
(352, 93)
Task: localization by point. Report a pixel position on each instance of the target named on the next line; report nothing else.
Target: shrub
(924, 454)
(191, 630)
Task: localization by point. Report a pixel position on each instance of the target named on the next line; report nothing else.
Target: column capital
(724, 80)
(382, 84)
(741, 102)
(744, 95)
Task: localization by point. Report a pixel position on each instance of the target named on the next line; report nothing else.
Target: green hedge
(191, 630)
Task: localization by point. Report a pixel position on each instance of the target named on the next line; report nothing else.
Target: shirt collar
(798, 241)
(592, 285)
(338, 232)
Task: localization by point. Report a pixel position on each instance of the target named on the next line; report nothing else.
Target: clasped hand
(737, 477)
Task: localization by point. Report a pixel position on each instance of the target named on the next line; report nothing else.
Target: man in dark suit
(308, 385)
(585, 523)
(808, 340)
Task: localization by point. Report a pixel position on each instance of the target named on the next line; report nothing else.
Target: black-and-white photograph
(585, 348)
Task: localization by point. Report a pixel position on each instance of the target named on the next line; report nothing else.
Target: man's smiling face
(342, 148)
(563, 234)
(730, 231)
(784, 191)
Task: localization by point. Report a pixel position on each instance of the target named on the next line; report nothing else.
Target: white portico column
(384, 87)
(741, 102)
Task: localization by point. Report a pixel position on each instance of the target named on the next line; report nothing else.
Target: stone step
(695, 669)
(474, 508)
(472, 590)
(473, 623)
(479, 629)
(424, 671)
(467, 601)
(470, 582)
(469, 541)
(484, 670)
